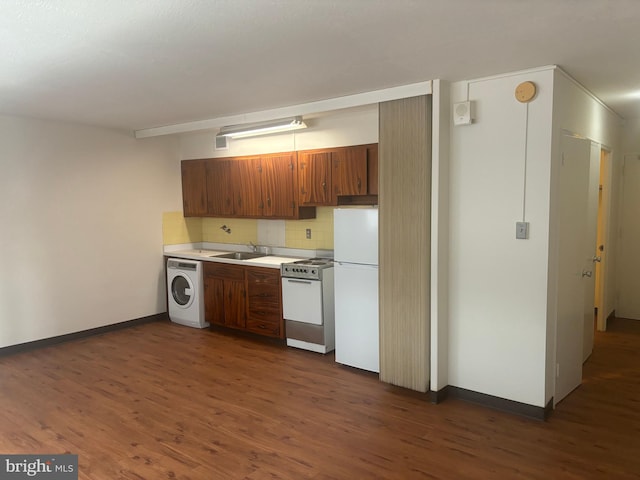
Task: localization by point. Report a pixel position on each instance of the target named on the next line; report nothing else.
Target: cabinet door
(235, 300)
(219, 187)
(194, 188)
(372, 169)
(314, 178)
(349, 176)
(247, 190)
(214, 300)
(225, 296)
(264, 301)
(278, 185)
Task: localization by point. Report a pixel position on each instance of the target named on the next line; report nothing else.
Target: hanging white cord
(526, 142)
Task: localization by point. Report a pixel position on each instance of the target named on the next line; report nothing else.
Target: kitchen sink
(241, 255)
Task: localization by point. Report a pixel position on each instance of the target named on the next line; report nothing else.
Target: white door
(591, 251)
(573, 184)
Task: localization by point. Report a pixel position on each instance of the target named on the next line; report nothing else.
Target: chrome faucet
(252, 246)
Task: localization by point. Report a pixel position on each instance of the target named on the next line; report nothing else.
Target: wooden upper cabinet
(372, 169)
(277, 185)
(220, 198)
(280, 185)
(245, 177)
(314, 178)
(194, 188)
(349, 175)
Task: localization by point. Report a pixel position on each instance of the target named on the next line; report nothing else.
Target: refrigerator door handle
(355, 265)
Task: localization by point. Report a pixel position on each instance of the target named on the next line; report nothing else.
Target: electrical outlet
(522, 230)
(308, 233)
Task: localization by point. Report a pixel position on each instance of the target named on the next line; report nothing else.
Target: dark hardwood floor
(164, 401)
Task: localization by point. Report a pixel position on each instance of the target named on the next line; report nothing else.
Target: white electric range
(308, 304)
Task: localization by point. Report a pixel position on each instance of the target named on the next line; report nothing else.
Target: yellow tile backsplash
(243, 230)
(177, 229)
(321, 231)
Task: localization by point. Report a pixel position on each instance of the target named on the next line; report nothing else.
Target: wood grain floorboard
(164, 401)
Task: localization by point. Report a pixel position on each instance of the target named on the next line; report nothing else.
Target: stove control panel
(310, 272)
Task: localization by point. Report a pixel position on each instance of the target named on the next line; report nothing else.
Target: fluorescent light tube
(262, 128)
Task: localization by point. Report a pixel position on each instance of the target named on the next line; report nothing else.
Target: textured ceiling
(143, 63)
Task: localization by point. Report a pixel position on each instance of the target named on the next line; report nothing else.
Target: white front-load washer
(185, 292)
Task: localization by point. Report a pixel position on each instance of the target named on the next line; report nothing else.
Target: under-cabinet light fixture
(262, 128)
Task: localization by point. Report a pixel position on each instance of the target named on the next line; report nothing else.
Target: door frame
(604, 217)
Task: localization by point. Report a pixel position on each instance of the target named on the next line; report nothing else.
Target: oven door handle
(299, 281)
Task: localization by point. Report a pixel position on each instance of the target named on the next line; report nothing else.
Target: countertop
(269, 261)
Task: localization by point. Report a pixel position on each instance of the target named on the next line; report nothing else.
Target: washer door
(182, 290)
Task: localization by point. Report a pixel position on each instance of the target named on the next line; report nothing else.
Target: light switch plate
(522, 230)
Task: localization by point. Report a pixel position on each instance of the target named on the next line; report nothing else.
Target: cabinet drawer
(222, 270)
(264, 309)
(264, 327)
(257, 276)
(264, 292)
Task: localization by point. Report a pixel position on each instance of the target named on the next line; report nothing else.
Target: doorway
(595, 312)
(583, 212)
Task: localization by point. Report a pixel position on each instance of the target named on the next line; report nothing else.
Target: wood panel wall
(405, 216)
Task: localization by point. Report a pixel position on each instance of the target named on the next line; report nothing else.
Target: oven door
(302, 300)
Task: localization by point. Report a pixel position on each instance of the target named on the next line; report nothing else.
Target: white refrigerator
(355, 248)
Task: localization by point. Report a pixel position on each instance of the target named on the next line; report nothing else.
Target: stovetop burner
(315, 261)
(307, 269)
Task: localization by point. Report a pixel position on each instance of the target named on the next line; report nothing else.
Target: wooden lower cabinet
(225, 295)
(264, 301)
(246, 298)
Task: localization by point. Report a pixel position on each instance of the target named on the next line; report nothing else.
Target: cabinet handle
(359, 184)
(324, 185)
(268, 202)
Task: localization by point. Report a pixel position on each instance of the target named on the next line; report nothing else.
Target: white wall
(353, 126)
(81, 215)
(629, 251)
(497, 284)
(578, 112)
(502, 291)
